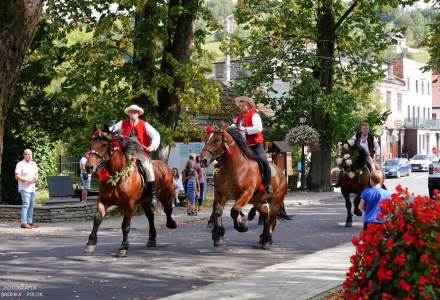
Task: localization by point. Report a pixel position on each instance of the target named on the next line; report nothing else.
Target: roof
(283, 146)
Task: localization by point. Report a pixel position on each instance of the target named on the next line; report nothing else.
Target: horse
(353, 175)
(123, 187)
(237, 176)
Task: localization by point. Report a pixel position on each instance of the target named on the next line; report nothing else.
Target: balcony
(421, 123)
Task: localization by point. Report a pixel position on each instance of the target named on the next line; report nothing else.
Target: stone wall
(47, 214)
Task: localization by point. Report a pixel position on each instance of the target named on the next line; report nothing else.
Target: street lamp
(302, 121)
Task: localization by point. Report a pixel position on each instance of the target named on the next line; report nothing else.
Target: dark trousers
(262, 157)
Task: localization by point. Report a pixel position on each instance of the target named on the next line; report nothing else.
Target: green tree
(433, 39)
(328, 51)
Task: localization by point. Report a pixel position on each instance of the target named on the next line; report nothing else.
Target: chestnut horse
(126, 190)
(238, 177)
(355, 176)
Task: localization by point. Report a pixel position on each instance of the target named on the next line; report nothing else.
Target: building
(436, 95)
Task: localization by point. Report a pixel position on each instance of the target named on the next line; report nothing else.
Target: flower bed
(401, 258)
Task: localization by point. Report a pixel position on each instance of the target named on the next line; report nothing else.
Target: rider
(147, 137)
(249, 122)
(369, 143)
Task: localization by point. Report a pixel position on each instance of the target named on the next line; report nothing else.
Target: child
(371, 198)
(192, 191)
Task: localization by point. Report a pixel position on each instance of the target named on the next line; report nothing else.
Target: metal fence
(69, 166)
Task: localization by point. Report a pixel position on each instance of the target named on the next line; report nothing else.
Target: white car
(420, 162)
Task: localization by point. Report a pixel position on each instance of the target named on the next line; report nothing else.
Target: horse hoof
(219, 242)
(151, 243)
(348, 224)
(241, 228)
(265, 245)
(89, 248)
(172, 224)
(122, 253)
(358, 212)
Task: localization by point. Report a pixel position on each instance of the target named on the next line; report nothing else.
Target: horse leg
(218, 231)
(93, 237)
(125, 226)
(236, 215)
(168, 209)
(149, 213)
(269, 215)
(356, 202)
(349, 220)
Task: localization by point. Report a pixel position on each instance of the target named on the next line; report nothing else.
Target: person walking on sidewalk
(147, 137)
(26, 173)
(371, 198)
(85, 178)
(201, 176)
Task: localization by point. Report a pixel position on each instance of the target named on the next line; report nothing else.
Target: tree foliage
(433, 39)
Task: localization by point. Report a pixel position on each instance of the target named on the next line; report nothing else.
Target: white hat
(246, 99)
(134, 107)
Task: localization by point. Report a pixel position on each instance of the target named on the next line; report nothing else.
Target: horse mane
(241, 143)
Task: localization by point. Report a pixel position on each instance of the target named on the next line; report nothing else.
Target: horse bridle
(214, 155)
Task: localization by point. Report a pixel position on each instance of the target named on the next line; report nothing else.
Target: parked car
(434, 177)
(397, 167)
(420, 162)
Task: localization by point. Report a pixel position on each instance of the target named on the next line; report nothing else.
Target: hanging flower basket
(303, 134)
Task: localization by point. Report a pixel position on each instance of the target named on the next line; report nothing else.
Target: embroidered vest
(251, 139)
(140, 131)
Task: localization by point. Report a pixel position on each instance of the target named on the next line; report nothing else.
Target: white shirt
(364, 143)
(28, 170)
(178, 183)
(151, 132)
(82, 164)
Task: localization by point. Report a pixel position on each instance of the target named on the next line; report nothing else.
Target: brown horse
(355, 176)
(124, 188)
(238, 177)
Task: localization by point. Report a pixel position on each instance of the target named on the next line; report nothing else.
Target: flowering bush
(303, 134)
(351, 159)
(401, 258)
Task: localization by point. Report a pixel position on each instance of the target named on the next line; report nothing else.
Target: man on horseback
(369, 143)
(147, 137)
(249, 122)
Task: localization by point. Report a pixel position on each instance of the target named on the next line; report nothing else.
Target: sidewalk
(298, 279)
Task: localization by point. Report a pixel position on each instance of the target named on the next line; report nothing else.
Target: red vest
(141, 133)
(251, 139)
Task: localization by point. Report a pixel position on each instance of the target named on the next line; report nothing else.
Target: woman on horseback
(250, 125)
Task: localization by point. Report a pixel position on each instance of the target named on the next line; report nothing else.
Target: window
(407, 83)
(389, 100)
(429, 114)
(427, 90)
(423, 141)
(409, 112)
(417, 86)
(418, 112)
(423, 87)
(399, 102)
(424, 113)
(414, 112)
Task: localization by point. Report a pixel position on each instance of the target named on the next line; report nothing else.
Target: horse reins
(225, 147)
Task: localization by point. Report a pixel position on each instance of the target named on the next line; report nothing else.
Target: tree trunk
(178, 48)
(319, 177)
(18, 23)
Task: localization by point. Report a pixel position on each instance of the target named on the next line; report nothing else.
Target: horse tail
(283, 216)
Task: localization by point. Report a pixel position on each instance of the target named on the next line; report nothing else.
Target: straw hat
(134, 107)
(246, 99)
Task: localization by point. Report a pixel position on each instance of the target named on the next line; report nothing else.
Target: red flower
(404, 285)
(400, 259)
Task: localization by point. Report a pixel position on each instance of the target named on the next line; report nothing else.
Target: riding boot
(151, 187)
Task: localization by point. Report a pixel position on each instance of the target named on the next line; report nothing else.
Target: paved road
(417, 183)
(54, 266)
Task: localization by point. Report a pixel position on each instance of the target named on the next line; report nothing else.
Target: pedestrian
(146, 137)
(201, 176)
(26, 173)
(178, 185)
(371, 198)
(249, 123)
(85, 177)
(186, 173)
(192, 191)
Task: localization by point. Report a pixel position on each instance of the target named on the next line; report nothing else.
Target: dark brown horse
(237, 177)
(353, 175)
(124, 188)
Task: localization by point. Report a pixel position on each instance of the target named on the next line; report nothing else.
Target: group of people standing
(192, 183)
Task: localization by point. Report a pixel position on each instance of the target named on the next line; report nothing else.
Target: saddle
(142, 171)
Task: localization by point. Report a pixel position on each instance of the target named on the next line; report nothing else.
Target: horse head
(215, 145)
(100, 147)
